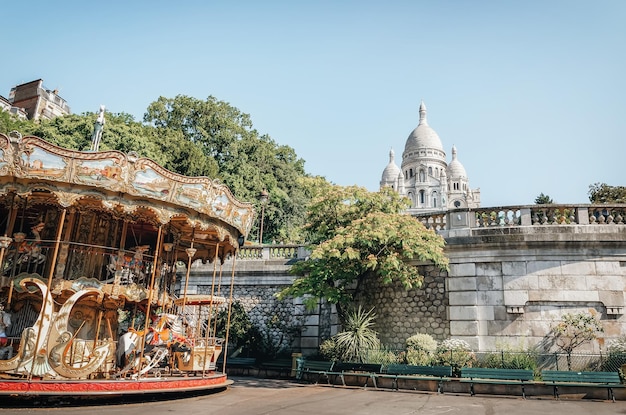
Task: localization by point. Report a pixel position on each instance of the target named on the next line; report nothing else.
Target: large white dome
(423, 136)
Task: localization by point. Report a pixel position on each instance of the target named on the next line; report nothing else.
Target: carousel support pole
(5, 240)
(57, 242)
(230, 307)
(191, 252)
(168, 247)
(211, 305)
(10, 294)
(95, 339)
(219, 293)
(12, 216)
(150, 296)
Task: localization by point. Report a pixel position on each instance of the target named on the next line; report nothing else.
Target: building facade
(37, 101)
(425, 177)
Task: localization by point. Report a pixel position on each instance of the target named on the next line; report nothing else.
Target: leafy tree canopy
(247, 162)
(358, 235)
(603, 193)
(198, 138)
(543, 199)
(10, 122)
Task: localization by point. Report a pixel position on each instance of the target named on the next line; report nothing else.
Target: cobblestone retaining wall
(402, 313)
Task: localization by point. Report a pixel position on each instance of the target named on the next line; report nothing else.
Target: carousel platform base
(88, 388)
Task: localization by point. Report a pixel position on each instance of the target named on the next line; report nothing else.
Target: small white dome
(455, 168)
(391, 172)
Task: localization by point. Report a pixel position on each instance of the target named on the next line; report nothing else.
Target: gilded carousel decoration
(94, 247)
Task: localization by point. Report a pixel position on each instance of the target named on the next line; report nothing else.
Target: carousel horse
(166, 333)
(27, 253)
(132, 268)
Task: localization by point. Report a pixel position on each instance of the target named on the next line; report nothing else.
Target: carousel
(95, 253)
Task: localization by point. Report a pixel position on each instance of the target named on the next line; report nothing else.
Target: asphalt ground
(252, 396)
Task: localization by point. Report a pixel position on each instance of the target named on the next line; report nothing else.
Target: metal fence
(536, 361)
(552, 361)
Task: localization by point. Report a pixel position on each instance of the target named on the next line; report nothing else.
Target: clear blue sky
(532, 93)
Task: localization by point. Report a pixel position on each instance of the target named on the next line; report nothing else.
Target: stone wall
(256, 282)
(402, 313)
(506, 286)
(511, 286)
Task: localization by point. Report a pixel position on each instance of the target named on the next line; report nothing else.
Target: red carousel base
(88, 387)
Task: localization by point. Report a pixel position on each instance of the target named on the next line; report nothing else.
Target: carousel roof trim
(114, 174)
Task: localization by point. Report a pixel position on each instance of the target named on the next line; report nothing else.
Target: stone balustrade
(272, 252)
(526, 215)
(487, 217)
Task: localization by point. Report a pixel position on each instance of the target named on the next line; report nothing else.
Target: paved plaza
(251, 396)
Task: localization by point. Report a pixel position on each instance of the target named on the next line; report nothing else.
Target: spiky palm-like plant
(358, 337)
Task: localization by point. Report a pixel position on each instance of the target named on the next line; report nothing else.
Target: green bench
(474, 375)
(369, 371)
(282, 365)
(245, 364)
(314, 367)
(556, 378)
(415, 372)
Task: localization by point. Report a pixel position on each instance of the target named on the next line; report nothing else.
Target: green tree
(247, 161)
(603, 193)
(358, 235)
(198, 138)
(10, 122)
(543, 199)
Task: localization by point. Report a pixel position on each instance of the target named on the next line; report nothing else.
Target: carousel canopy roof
(125, 185)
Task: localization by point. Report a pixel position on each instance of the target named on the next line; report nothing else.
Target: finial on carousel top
(97, 130)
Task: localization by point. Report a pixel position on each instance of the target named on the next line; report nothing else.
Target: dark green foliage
(242, 334)
(603, 193)
(543, 199)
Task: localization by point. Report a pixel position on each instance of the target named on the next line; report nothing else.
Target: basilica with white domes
(432, 184)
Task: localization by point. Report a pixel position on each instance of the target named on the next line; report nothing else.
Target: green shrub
(358, 338)
(421, 341)
(419, 357)
(383, 356)
(420, 350)
(328, 349)
(511, 358)
(616, 359)
(456, 353)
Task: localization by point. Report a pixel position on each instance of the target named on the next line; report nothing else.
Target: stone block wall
(506, 286)
(402, 313)
(255, 286)
(511, 289)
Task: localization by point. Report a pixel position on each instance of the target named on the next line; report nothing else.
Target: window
(422, 197)
(422, 175)
(434, 199)
(430, 171)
